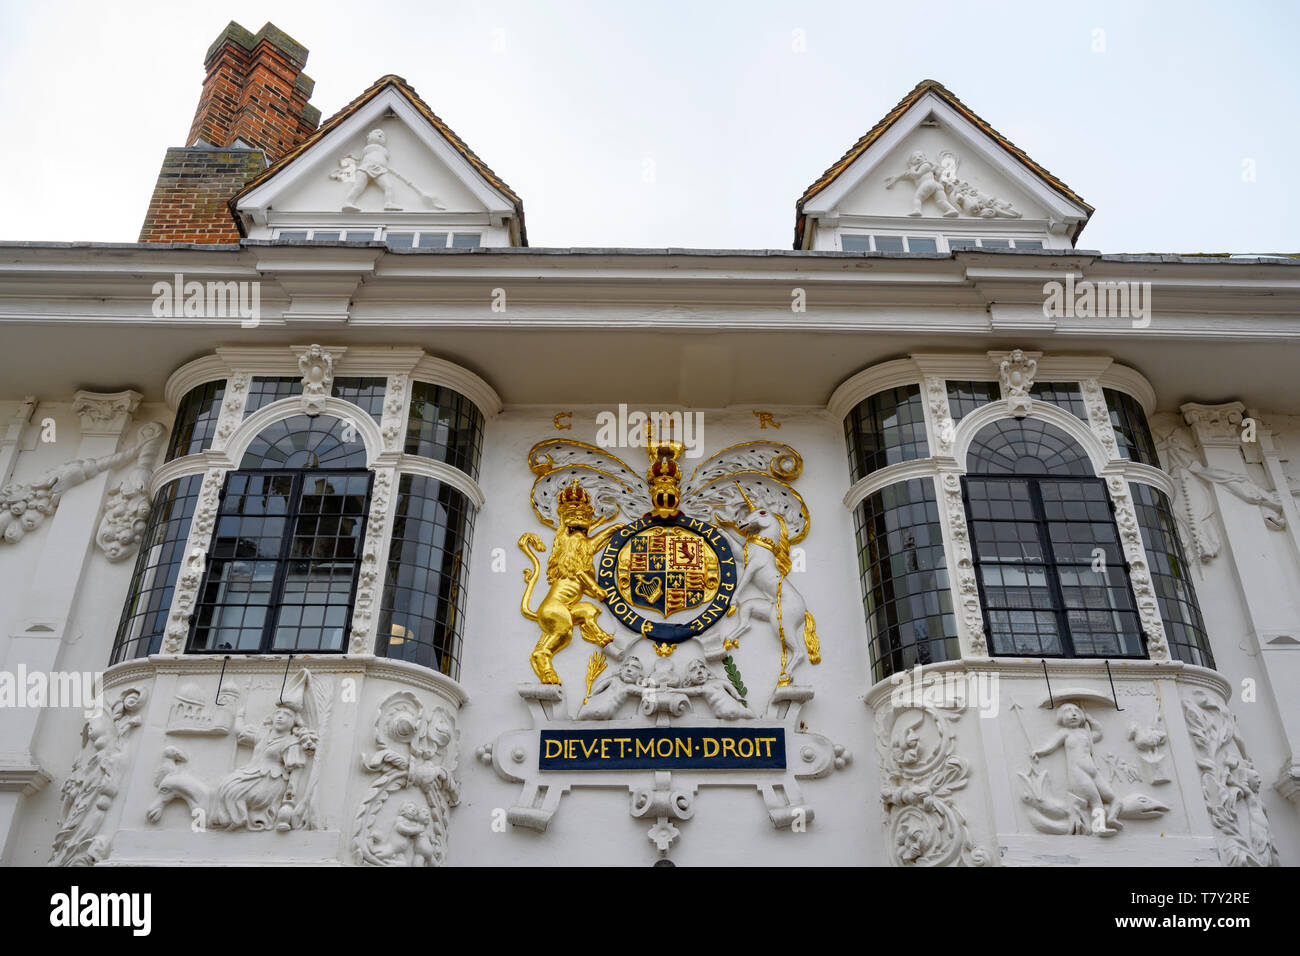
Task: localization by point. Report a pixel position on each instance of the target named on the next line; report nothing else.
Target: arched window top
(1026, 446)
(302, 441)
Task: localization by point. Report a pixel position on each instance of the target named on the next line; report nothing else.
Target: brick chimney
(252, 111)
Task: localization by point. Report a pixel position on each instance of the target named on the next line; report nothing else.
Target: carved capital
(1215, 424)
(105, 414)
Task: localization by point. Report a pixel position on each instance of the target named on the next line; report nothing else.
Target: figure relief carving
(921, 778)
(403, 818)
(1230, 784)
(276, 789)
(95, 780)
(941, 185)
(374, 167)
(1090, 805)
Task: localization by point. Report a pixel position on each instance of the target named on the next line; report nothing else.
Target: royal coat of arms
(701, 562)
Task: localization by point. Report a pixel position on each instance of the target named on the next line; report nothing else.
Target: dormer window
(395, 238)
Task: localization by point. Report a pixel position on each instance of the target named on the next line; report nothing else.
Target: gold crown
(573, 505)
(664, 476)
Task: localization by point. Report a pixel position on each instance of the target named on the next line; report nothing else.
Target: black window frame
(282, 562)
(1049, 563)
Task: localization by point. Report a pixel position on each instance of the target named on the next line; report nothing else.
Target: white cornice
(871, 381)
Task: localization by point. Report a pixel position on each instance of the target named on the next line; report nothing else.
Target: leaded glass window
(1171, 577)
(904, 577)
(162, 550)
(1132, 433)
(286, 549)
(445, 426)
(885, 429)
(196, 420)
(421, 616)
(1051, 571)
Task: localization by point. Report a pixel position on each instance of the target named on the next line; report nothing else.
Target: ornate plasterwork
(663, 796)
(374, 166)
(25, 506)
(939, 183)
(191, 573)
(1229, 783)
(104, 414)
(126, 509)
(1094, 400)
(1220, 425)
(316, 365)
(1130, 535)
(1016, 372)
(921, 775)
(370, 577)
(1193, 505)
(403, 818)
(393, 422)
(962, 560)
(232, 409)
(943, 430)
(1091, 804)
(276, 789)
(96, 779)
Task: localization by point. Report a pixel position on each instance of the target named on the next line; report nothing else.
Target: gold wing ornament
(615, 488)
(752, 476)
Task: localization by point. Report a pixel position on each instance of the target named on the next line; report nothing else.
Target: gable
(966, 180)
(383, 161)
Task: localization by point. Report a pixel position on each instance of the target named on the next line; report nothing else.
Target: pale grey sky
(567, 100)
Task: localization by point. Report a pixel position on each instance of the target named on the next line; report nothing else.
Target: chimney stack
(253, 110)
(256, 92)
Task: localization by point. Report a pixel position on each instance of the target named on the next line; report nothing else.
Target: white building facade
(933, 541)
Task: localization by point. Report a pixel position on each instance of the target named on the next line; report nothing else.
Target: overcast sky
(1177, 121)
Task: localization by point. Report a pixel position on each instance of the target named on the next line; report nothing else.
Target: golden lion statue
(571, 576)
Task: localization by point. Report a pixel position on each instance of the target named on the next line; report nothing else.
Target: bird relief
(940, 185)
(1090, 804)
(374, 168)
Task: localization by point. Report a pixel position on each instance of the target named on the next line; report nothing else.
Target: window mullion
(1053, 572)
(282, 563)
